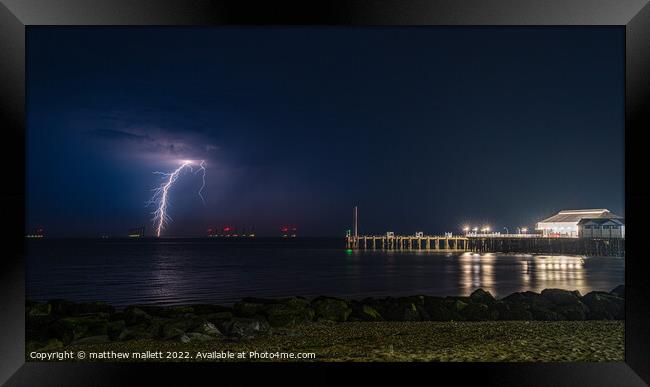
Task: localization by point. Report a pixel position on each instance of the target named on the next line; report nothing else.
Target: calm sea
(182, 271)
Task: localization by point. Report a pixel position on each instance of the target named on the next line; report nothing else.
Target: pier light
(524, 230)
(466, 229)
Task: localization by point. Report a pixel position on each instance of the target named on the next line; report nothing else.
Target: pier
(486, 242)
(417, 242)
(528, 244)
(607, 247)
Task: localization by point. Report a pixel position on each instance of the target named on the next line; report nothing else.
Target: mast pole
(356, 227)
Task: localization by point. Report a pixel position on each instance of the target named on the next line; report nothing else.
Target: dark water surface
(182, 271)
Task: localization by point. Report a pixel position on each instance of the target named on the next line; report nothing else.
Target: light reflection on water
(535, 272)
(169, 273)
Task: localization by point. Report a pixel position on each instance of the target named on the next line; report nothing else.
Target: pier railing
(491, 244)
(397, 242)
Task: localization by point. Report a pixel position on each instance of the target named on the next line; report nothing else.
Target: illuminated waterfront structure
(601, 228)
(565, 223)
(136, 232)
(229, 232)
(289, 231)
(37, 233)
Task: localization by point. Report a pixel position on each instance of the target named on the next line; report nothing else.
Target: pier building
(601, 228)
(565, 223)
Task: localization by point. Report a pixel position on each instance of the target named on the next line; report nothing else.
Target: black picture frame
(16, 15)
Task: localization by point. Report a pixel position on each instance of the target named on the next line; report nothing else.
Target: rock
(263, 301)
(561, 297)
(516, 297)
(210, 309)
(476, 312)
(441, 313)
(401, 312)
(100, 339)
(332, 309)
(604, 306)
(249, 309)
(494, 308)
(242, 327)
(168, 312)
(573, 312)
(62, 308)
(195, 337)
(361, 312)
(140, 331)
(134, 315)
(566, 303)
(521, 305)
(455, 310)
(619, 291)
(115, 328)
(550, 305)
(171, 333)
(97, 307)
(455, 306)
(528, 298)
(65, 308)
(251, 306)
(43, 346)
(39, 310)
(184, 338)
(369, 313)
(289, 312)
(539, 301)
(402, 309)
(545, 314)
(177, 311)
(437, 310)
(371, 301)
(481, 296)
(151, 310)
(208, 328)
(217, 318)
(73, 328)
(173, 328)
(512, 311)
(463, 299)
(117, 316)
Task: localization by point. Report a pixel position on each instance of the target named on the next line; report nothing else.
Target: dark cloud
(155, 143)
(117, 135)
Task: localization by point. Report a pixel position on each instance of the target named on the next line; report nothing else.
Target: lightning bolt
(202, 170)
(161, 194)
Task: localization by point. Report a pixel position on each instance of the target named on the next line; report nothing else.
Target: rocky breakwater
(59, 323)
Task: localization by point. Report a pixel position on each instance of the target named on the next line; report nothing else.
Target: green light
(348, 251)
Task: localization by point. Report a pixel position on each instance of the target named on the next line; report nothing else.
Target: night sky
(425, 129)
